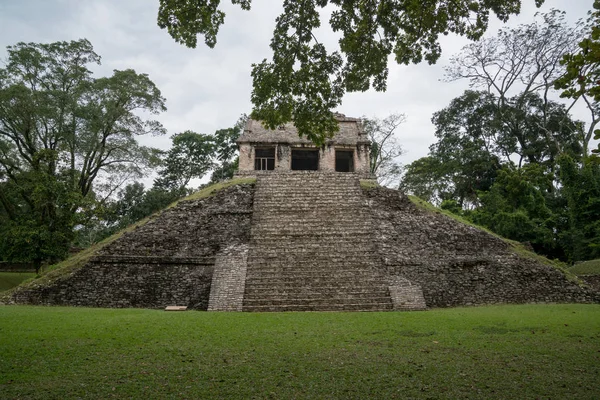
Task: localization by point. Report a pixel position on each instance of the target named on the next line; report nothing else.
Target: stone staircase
(312, 247)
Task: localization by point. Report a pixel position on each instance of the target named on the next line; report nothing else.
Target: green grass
(433, 209)
(8, 280)
(69, 265)
(368, 183)
(213, 189)
(502, 352)
(591, 267)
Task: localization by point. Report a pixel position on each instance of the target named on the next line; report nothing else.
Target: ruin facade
(264, 150)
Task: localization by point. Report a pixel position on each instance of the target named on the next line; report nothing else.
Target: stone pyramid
(304, 241)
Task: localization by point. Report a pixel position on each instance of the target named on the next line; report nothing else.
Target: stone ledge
(153, 260)
(256, 173)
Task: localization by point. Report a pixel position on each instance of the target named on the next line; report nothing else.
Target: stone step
(311, 247)
(276, 293)
(310, 230)
(316, 286)
(317, 256)
(340, 307)
(315, 301)
(306, 270)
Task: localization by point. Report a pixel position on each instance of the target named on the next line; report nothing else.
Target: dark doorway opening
(344, 161)
(264, 159)
(305, 160)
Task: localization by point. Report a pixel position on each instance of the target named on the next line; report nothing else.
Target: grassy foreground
(8, 280)
(503, 352)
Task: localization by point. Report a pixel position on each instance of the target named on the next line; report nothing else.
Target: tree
(65, 138)
(582, 77)
(515, 207)
(226, 148)
(385, 148)
(581, 188)
(304, 82)
(521, 64)
(190, 156)
(425, 179)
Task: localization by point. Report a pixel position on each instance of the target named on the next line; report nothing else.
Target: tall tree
(64, 138)
(226, 149)
(582, 77)
(304, 81)
(581, 187)
(385, 148)
(425, 178)
(521, 64)
(190, 156)
(515, 206)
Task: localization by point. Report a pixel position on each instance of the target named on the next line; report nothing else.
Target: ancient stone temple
(302, 230)
(281, 150)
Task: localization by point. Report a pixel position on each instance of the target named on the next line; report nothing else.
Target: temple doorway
(344, 161)
(305, 160)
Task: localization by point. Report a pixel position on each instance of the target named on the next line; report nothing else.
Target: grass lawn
(503, 352)
(9, 280)
(591, 267)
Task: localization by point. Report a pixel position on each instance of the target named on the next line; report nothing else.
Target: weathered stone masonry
(305, 240)
(456, 264)
(168, 261)
(311, 246)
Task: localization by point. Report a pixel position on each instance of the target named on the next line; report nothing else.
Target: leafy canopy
(582, 77)
(304, 81)
(67, 139)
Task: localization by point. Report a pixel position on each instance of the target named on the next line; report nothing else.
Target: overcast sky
(207, 89)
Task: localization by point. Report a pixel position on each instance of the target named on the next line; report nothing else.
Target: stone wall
(121, 282)
(456, 264)
(593, 281)
(283, 156)
(168, 261)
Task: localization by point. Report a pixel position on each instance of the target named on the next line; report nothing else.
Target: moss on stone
(213, 189)
(368, 183)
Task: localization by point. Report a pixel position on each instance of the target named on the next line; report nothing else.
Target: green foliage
(303, 81)
(226, 150)
(581, 188)
(225, 171)
(65, 140)
(451, 206)
(189, 157)
(385, 148)
(582, 77)
(425, 179)
(515, 207)
(512, 352)
(368, 183)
